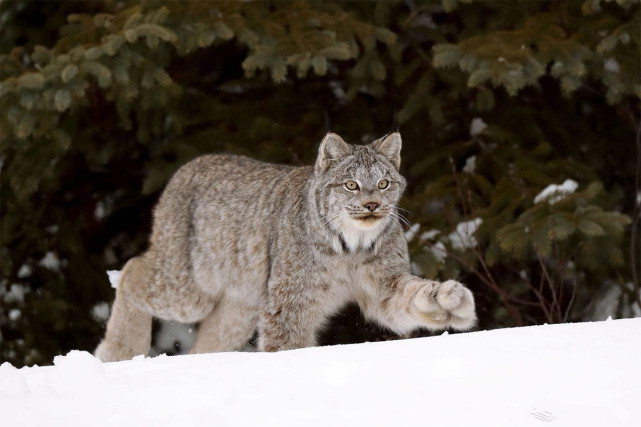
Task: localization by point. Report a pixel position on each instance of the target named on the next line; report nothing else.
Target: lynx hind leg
(144, 292)
(228, 327)
(129, 327)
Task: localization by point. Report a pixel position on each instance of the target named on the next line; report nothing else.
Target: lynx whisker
(401, 218)
(401, 209)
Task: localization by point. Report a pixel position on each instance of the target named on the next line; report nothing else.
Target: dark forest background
(101, 101)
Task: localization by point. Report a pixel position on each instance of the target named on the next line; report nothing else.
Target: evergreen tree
(100, 102)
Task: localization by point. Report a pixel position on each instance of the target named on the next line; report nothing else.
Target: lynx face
(358, 187)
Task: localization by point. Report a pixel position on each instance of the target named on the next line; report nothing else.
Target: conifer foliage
(520, 126)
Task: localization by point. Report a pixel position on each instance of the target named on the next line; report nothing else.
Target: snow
(613, 301)
(477, 126)
(554, 193)
(100, 212)
(114, 277)
(470, 165)
(103, 208)
(439, 251)
(338, 90)
(172, 336)
(429, 235)
(74, 372)
(585, 374)
(25, 271)
(424, 21)
(611, 65)
(100, 311)
(16, 293)
(409, 234)
(50, 261)
(438, 248)
(463, 236)
(12, 381)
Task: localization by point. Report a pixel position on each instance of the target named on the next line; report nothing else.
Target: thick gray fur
(240, 245)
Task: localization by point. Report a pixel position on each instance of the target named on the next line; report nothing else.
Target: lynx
(244, 246)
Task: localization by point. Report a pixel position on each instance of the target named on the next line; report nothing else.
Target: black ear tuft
(328, 124)
(390, 147)
(395, 127)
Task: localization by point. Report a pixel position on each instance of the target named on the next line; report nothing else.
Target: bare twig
(486, 281)
(542, 301)
(555, 303)
(504, 296)
(569, 307)
(489, 279)
(562, 270)
(459, 189)
(413, 15)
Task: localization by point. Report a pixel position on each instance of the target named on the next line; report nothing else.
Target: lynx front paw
(447, 304)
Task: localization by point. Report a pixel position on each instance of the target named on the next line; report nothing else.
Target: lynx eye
(383, 184)
(351, 185)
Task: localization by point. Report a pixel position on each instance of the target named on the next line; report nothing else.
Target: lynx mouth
(367, 221)
(369, 217)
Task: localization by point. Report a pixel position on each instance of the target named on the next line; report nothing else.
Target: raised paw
(447, 304)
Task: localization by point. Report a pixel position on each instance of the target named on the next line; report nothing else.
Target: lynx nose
(371, 206)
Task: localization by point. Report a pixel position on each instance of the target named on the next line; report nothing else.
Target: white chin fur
(360, 234)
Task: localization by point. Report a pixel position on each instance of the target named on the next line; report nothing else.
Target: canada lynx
(240, 245)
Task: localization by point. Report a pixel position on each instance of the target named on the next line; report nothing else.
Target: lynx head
(357, 187)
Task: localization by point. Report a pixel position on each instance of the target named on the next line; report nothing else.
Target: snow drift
(585, 374)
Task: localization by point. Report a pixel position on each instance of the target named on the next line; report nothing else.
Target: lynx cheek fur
(240, 245)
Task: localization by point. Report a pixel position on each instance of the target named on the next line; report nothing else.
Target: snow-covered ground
(586, 374)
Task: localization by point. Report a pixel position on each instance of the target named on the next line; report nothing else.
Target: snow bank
(567, 375)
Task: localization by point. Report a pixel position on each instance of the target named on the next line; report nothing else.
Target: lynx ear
(332, 148)
(390, 147)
